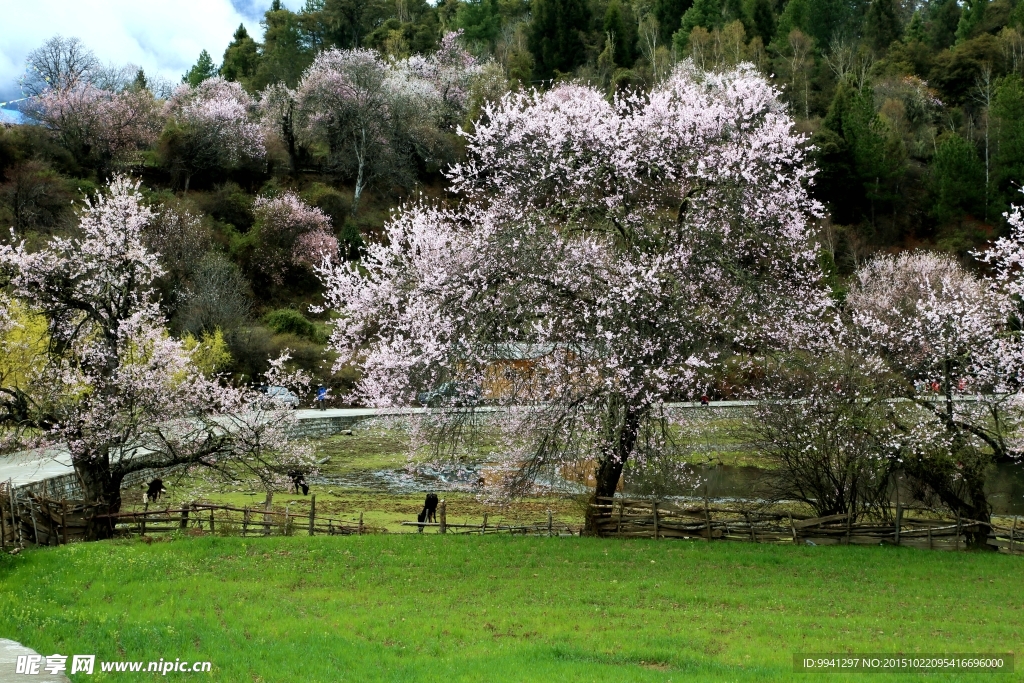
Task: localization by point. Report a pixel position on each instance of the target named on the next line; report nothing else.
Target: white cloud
(164, 37)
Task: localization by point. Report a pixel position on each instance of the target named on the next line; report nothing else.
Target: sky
(164, 37)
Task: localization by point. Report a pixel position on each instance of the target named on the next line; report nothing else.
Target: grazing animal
(420, 518)
(155, 490)
(299, 481)
(430, 507)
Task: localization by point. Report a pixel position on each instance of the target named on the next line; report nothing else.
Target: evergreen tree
(958, 179)
(706, 13)
(881, 27)
(480, 21)
(286, 49)
(764, 20)
(1008, 112)
(669, 14)
(970, 17)
(140, 82)
(616, 27)
(203, 68)
(556, 36)
(943, 21)
(241, 57)
(915, 32)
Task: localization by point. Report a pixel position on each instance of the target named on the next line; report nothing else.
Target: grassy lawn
(458, 608)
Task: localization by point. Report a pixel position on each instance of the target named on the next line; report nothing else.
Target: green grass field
(449, 608)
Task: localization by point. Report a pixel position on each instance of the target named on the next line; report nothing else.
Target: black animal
(299, 481)
(430, 507)
(420, 518)
(155, 490)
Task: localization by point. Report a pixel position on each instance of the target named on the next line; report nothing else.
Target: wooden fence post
(549, 523)
(312, 513)
(618, 525)
(483, 528)
(444, 518)
(266, 513)
(245, 521)
(899, 520)
(849, 526)
(211, 521)
(750, 525)
(360, 524)
(14, 515)
(707, 518)
(654, 509)
(792, 527)
(145, 510)
(929, 537)
(184, 516)
(1013, 531)
(3, 532)
(64, 518)
(958, 530)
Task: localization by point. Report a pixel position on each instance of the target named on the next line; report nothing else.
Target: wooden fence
(549, 527)
(31, 518)
(631, 518)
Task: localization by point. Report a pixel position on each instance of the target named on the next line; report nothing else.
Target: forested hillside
(295, 145)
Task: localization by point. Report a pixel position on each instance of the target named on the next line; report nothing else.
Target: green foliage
(203, 68)
(622, 34)
(209, 352)
(705, 13)
(338, 206)
(861, 156)
(669, 14)
(970, 18)
(556, 36)
(290, 321)
(1008, 115)
(763, 18)
(958, 179)
(480, 21)
(286, 50)
(882, 26)
(241, 58)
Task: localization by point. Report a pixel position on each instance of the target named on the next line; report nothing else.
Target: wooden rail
(636, 518)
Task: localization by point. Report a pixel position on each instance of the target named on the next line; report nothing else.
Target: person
(321, 397)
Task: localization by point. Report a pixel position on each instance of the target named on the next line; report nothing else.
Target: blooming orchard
(117, 391)
(620, 248)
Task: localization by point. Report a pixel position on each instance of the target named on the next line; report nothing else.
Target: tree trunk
(624, 426)
(102, 490)
(360, 179)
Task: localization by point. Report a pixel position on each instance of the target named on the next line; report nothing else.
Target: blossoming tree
(117, 391)
(216, 124)
(291, 232)
(620, 249)
(96, 125)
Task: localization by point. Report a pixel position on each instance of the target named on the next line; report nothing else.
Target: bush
(290, 321)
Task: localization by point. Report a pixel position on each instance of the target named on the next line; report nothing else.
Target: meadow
(459, 608)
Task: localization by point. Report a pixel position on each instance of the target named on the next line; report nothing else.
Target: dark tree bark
(623, 427)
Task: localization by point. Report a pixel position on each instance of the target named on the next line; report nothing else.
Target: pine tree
(140, 82)
(972, 15)
(556, 36)
(203, 68)
(240, 58)
(669, 14)
(881, 27)
(958, 179)
(706, 13)
(615, 26)
(915, 32)
(764, 20)
(480, 21)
